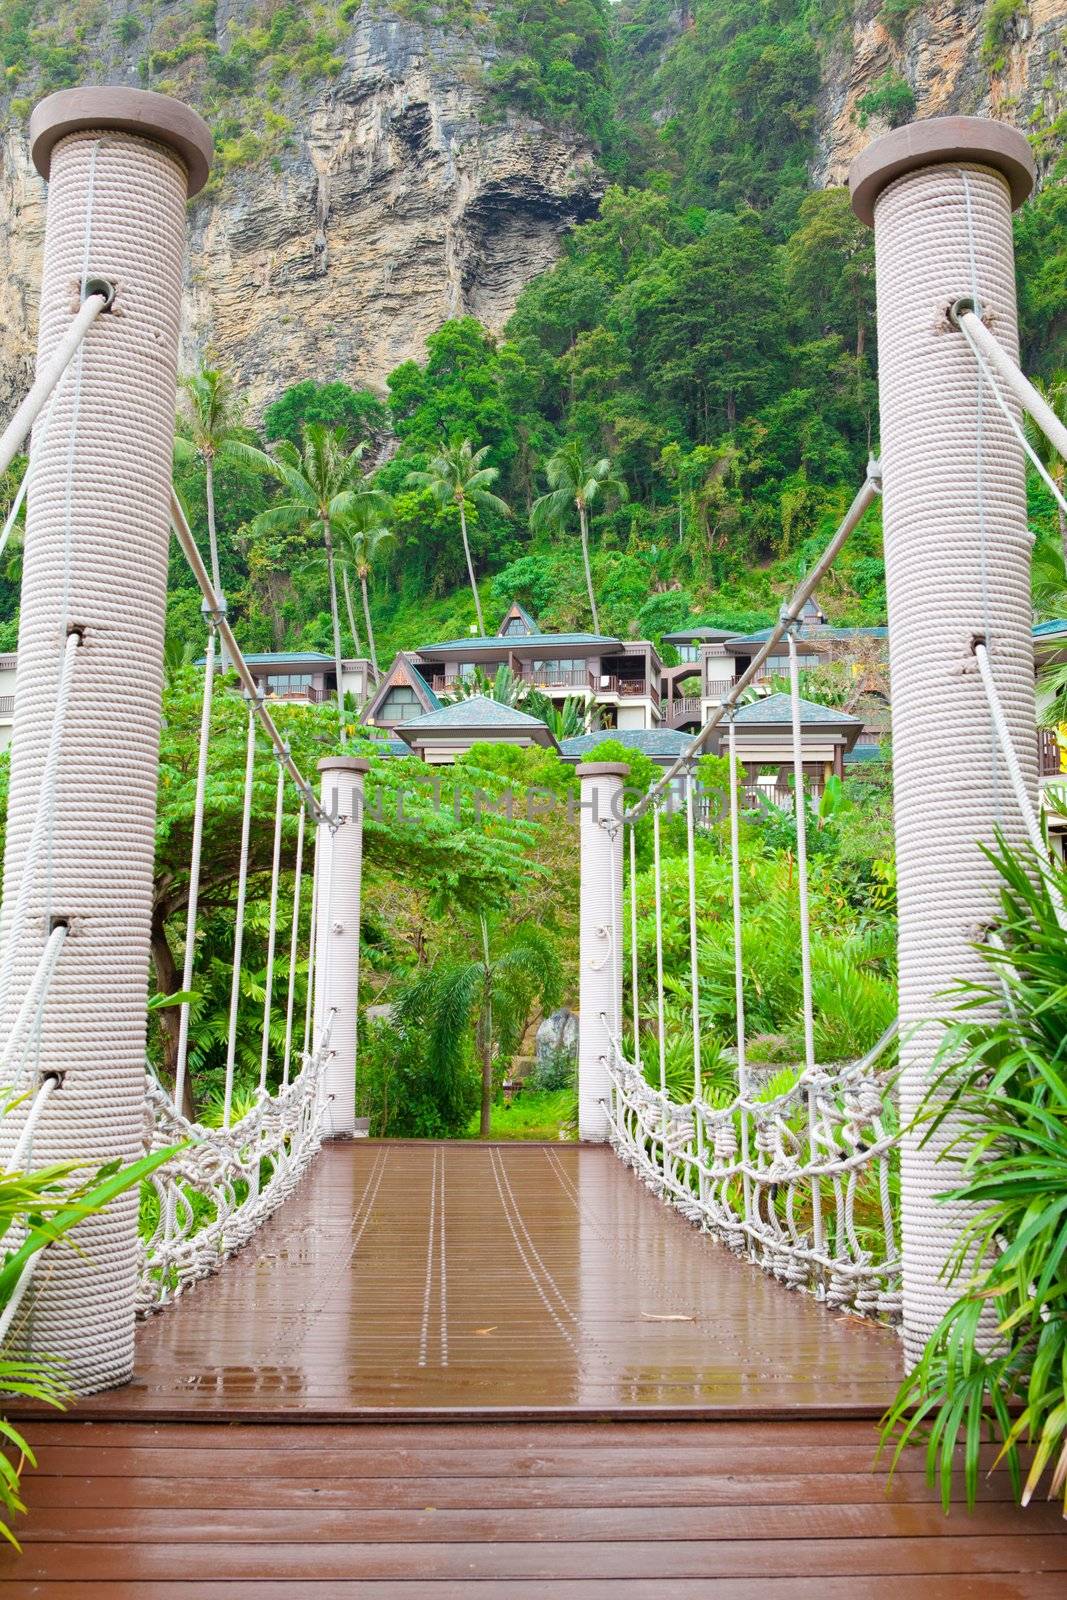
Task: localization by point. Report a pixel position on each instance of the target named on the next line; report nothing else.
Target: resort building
(308, 676)
(7, 696)
(621, 679)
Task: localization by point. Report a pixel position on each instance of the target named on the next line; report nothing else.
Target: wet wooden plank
(520, 1524)
(1027, 1586)
(462, 1491)
(521, 1280)
(606, 1561)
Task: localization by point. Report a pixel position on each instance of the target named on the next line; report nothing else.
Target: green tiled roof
(477, 712)
(775, 710)
(813, 634)
(524, 641)
(650, 741)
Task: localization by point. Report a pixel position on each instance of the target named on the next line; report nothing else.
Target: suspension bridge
(310, 1361)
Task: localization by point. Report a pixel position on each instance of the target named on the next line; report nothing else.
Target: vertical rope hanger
(272, 933)
(657, 872)
(634, 999)
(196, 850)
(294, 939)
(801, 816)
(239, 916)
(739, 959)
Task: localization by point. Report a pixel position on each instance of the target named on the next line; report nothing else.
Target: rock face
(938, 51)
(403, 198)
(401, 205)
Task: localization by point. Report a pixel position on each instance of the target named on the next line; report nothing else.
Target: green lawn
(530, 1116)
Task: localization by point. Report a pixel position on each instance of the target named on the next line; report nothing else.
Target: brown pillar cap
(602, 769)
(343, 764)
(937, 141)
(153, 116)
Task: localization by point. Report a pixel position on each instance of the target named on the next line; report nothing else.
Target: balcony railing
(7, 704)
(625, 688)
(686, 708)
(716, 688)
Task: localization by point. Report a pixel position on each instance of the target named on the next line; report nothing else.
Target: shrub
(890, 97)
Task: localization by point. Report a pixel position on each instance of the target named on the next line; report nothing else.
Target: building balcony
(686, 708)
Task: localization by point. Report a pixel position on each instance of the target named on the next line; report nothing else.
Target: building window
(288, 683)
(401, 703)
(513, 628)
(688, 652)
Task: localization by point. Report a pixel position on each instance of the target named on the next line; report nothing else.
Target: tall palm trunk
(213, 541)
(583, 516)
(336, 621)
(486, 1040)
(353, 630)
(470, 568)
(366, 618)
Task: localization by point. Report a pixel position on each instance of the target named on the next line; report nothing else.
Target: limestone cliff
(968, 57)
(385, 193)
(397, 202)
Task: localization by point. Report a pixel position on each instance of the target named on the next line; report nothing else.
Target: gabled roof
(530, 623)
(403, 671)
(776, 711)
(662, 743)
(477, 712)
(497, 644)
(474, 719)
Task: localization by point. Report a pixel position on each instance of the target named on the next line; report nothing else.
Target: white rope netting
(224, 1183)
(813, 1203)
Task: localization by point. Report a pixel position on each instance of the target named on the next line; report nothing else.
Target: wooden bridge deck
(429, 1315)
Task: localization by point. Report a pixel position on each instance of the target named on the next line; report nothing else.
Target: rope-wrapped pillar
(340, 871)
(82, 806)
(600, 942)
(940, 196)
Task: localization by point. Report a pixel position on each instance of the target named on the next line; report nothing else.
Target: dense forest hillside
(616, 224)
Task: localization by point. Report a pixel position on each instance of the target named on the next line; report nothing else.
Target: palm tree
(491, 995)
(325, 484)
(1055, 392)
(505, 687)
(212, 429)
(456, 477)
(360, 536)
(575, 478)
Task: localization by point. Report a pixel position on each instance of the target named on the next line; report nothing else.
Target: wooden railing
(1050, 762)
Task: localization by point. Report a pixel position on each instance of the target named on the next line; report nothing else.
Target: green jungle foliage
(1004, 1085)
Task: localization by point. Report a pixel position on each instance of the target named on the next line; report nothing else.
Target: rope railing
(224, 1183)
(800, 1182)
(754, 1172)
